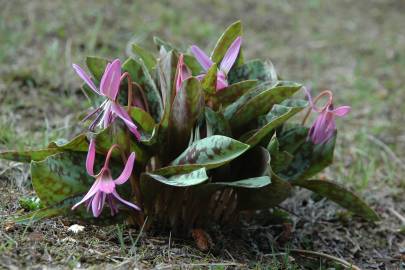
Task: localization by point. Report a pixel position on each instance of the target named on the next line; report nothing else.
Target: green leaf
(309, 159)
(234, 91)
(341, 196)
(258, 103)
(140, 74)
(142, 118)
(253, 70)
(192, 64)
(252, 183)
(96, 66)
(60, 176)
(161, 43)
(209, 81)
(266, 197)
(226, 39)
(182, 180)
(210, 152)
(187, 106)
(279, 159)
(147, 57)
(216, 123)
(79, 143)
(276, 117)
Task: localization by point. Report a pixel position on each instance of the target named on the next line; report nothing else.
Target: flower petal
(126, 173)
(201, 57)
(98, 203)
(121, 113)
(342, 110)
(82, 74)
(110, 82)
(91, 155)
(231, 55)
(90, 193)
(221, 81)
(125, 202)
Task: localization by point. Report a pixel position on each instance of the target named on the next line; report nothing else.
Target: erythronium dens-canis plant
(190, 139)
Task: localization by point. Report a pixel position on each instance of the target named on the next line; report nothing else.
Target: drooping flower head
(324, 126)
(103, 189)
(182, 72)
(226, 63)
(109, 88)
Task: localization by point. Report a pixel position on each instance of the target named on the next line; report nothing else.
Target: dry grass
(355, 48)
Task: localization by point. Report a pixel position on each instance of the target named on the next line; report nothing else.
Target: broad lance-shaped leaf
(266, 197)
(182, 180)
(234, 91)
(143, 119)
(160, 43)
(341, 196)
(63, 208)
(261, 102)
(209, 81)
(309, 159)
(209, 153)
(279, 159)
(79, 144)
(192, 64)
(251, 183)
(96, 66)
(226, 39)
(140, 74)
(253, 70)
(276, 117)
(147, 57)
(216, 123)
(187, 106)
(60, 176)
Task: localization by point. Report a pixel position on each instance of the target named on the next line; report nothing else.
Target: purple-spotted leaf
(216, 123)
(276, 117)
(79, 144)
(209, 153)
(341, 196)
(251, 183)
(182, 180)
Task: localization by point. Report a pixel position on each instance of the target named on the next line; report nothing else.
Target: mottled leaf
(182, 180)
(140, 74)
(79, 143)
(259, 104)
(216, 123)
(253, 70)
(210, 152)
(253, 183)
(226, 39)
(209, 81)
(147, 57)
(234, 91)
(341, 196)
(276, 117)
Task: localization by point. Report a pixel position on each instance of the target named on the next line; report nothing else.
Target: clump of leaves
(200, 140)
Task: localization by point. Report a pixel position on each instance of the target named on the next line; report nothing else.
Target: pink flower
(103, 188)
(324, 125)
(109, 88)
(182, 73)
(226, 63)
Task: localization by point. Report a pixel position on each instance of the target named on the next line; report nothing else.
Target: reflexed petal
(121, 113)
(126, 173)
(110, 82)
(125, 202)
(98, 203)
(91, 155)
(90, 193)
(85, 78)
(201, 57)
(231, 55)
(342, 110)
